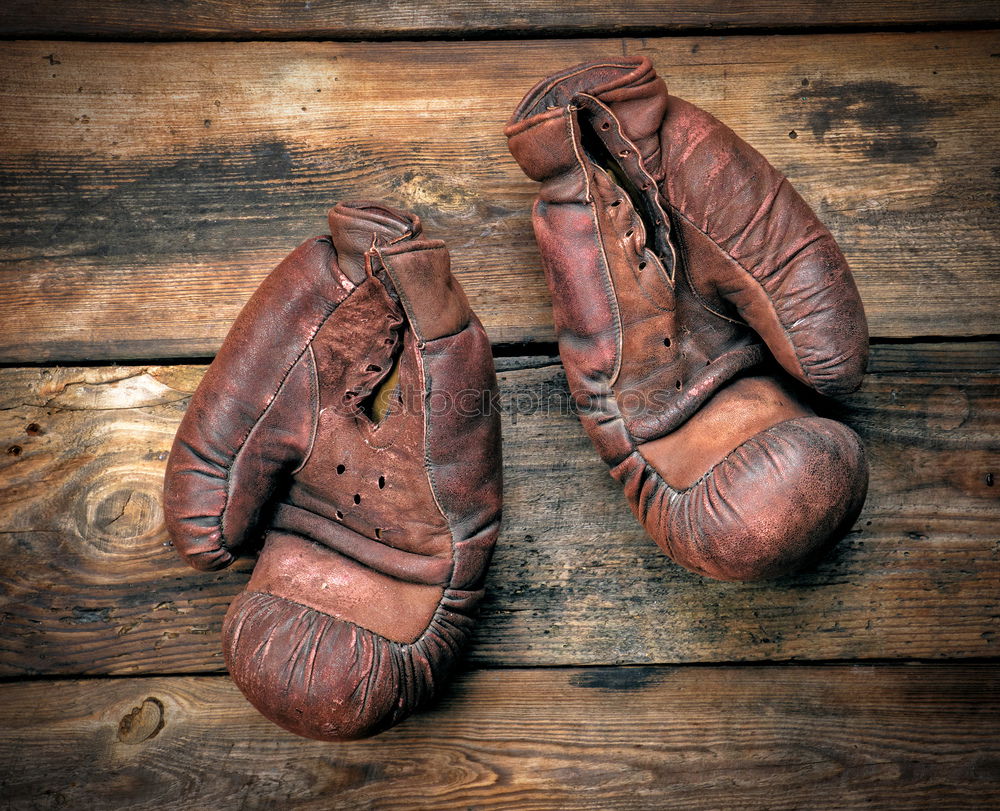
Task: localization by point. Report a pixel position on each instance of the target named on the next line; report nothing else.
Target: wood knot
(119, 513)
(143, 723)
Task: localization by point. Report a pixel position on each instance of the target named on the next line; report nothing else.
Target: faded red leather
(376, 534)
(681, 266)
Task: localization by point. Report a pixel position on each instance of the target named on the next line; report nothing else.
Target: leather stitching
(767, 296)
(263, 413)
(711, 471)
(606, 280)
(314, 402)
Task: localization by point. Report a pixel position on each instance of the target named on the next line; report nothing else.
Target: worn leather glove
(349, 420)
(681, 265)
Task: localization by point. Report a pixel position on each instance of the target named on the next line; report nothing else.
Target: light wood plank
(90, 585)
(355, 18)
(871, 737)
(147, 189)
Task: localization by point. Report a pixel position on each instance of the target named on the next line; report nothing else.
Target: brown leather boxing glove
(350, 421)
(681, 265)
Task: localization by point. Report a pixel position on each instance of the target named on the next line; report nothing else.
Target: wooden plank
(147, 189)
(354, 18)
(872, 737)
(90, 584)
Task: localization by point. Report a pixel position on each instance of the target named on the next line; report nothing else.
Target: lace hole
(629, 232)
(605, 125)
(381, 482)
(340, 470)
(616, 203)
(357, 498)
(340, 515)
(642, 266)
(666, 342)
(677, 385)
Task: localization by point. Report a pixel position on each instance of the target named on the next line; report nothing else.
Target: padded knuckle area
(308, 672)
(324, 678)
(773, 503)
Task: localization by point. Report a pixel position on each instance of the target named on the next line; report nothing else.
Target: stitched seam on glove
(428, 466)
(606, 280)
(711, 471)
(270, 403)
(767, 295)
(447, 593)
(314, 395)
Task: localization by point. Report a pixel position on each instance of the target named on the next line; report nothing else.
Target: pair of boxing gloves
(349, 427)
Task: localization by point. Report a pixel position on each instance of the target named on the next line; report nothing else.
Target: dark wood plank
(147, 189)
(355, 18)
(91, 585)
(871, 737)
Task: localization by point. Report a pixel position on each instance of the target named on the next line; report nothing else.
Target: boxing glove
(348, 428)
(684, 271)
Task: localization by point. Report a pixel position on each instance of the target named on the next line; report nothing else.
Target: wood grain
(90, 584)
(872, 737)
(147, 188)
(401, 18)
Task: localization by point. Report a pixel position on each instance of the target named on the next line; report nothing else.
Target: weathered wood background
(171, 178)
(145, 190)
